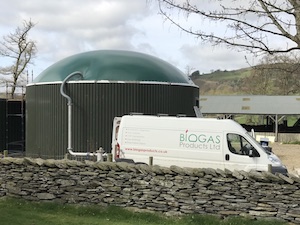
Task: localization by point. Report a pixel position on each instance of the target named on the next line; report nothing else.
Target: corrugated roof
(114, 65)
(250, 104)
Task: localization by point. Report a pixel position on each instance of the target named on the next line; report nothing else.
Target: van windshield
(257, 144)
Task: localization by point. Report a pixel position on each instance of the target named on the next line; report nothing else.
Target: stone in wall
(173, 190)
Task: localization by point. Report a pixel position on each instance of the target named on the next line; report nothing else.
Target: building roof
(114, 65)
(251, 104)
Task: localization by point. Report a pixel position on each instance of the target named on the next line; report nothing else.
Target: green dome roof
(114, 66)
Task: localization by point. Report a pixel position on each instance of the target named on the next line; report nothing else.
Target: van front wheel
(140, 163)
(125, 160)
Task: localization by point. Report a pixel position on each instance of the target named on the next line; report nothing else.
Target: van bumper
(279, 169)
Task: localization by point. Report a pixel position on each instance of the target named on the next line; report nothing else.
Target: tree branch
(17, 47)
(274, 19)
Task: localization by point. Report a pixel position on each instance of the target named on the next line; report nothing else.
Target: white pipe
(98, 153)
(69, 107)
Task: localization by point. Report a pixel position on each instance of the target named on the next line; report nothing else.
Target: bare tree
(286, 69)
(189, 70)
(260, 81)
(248, 25)
(275, 75)
(20, 50)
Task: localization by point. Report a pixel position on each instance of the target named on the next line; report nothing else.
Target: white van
(190, 142)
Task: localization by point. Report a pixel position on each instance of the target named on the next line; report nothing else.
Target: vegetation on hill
(265, 79)
(221, 82)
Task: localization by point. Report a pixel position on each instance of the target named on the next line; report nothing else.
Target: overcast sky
(67, 27)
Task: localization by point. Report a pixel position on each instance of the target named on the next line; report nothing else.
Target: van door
(114, 141)
(236, 153)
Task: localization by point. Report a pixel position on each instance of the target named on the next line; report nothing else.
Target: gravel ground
(289, 154)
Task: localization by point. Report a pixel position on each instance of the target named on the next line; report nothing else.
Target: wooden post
(109, 157)
(270, 168)
(5, 153)
(150, 160)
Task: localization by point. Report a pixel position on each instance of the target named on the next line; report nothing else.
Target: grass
(219, 75)
(21, 212)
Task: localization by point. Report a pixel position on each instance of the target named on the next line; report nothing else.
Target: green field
(20, 212)
(227, 75)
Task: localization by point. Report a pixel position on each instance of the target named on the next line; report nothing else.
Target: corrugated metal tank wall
(2, 124)
(15, 135)
(12, 125)
(94, 107)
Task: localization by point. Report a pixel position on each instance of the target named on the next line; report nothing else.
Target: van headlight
(273, 159)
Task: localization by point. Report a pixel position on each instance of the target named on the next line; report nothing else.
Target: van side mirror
(253, 153)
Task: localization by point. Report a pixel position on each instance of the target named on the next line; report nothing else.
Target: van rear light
(118, 151)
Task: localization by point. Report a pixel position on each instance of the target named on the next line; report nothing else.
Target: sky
(67, 27)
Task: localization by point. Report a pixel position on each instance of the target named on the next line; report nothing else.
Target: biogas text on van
(199, 141)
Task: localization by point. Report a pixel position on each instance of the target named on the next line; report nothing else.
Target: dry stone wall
(171, 190)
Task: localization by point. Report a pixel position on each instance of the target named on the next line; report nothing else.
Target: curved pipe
(77, 73)
(64, 82)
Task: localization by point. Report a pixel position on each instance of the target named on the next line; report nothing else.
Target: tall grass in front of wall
(21, 212)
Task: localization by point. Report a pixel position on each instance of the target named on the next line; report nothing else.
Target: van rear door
(114, 141)
(236, 153)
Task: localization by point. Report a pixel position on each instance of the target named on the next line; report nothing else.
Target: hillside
(264, 79)
(221, 82)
